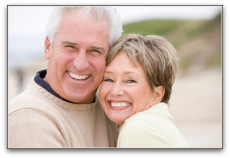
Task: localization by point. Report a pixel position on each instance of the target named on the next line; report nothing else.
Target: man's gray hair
(98, 13)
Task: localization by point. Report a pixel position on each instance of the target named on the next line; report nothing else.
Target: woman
(136, 89)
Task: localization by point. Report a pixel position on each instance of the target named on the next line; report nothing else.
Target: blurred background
(196, 33)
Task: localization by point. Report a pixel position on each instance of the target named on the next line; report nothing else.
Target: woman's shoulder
(143, 122)
(154, 115)
(153, 127)
(140, 132)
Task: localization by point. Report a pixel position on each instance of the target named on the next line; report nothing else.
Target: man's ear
(47, 48)
(159, 93)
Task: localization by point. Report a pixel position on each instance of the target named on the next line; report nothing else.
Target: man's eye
(95, 51)
(70, 48)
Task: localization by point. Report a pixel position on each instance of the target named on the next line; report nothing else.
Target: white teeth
(78, 77)
(120, 104)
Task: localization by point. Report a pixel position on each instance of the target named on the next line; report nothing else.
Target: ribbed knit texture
(38, 119)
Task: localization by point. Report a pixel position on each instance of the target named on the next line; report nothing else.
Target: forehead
(122, 63)
(80, 19)
(74, 27)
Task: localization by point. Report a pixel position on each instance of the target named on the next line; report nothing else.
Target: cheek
(63, 60)
(100, 66)
(145, 101)
(103, 91)
(102, 95)
(58, 62)
(98, 62)
(139, 99)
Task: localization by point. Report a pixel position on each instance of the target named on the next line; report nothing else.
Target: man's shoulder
(27, 100)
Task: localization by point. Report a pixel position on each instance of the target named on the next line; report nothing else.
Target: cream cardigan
(38, 119)
(153, 128)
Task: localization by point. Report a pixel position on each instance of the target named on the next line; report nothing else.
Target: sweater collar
(39, 79)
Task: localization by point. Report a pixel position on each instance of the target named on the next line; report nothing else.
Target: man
(60, 108)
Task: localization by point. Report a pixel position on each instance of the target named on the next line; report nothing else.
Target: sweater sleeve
(31, 128)
(140, 134)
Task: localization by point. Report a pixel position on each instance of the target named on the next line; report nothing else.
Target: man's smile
(78, 77)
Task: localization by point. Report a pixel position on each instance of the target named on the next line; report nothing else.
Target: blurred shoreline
(19, 77)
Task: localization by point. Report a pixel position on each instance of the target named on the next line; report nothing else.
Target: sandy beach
(196, 105)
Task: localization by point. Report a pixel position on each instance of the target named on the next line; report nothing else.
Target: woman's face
(125, 89)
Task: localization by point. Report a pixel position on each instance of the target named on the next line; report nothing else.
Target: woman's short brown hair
(155, 54)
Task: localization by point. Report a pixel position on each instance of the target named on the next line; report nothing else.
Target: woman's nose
(117, 90)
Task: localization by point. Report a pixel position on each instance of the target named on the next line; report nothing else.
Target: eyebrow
(98, 48)
(75, 44)
(70, 43)
(125, 73)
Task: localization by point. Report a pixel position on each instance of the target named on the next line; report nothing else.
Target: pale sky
(26, 24)
(31, 20)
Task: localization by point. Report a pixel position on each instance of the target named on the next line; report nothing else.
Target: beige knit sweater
(38, 119)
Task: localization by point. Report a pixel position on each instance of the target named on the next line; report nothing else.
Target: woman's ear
(47, 48)
(159, 93)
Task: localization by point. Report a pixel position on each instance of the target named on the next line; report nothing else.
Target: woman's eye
(131, 81)
(107, 80)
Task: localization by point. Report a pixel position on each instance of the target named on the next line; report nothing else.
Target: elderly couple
(99, 89)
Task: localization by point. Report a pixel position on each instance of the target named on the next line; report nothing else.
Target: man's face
(76, 60)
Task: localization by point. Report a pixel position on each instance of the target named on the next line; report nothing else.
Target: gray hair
(99, 13)
(155, 54)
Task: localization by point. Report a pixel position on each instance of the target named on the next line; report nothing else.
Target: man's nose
(81, 62)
